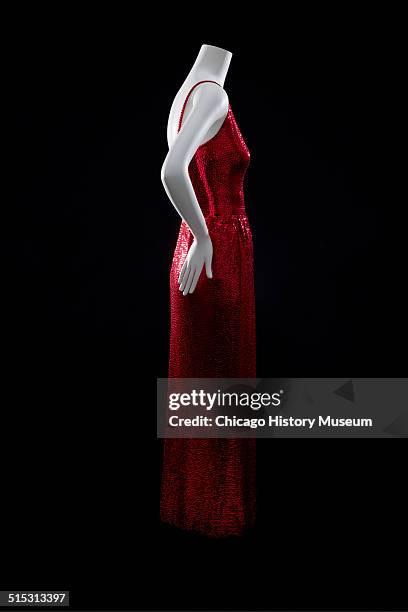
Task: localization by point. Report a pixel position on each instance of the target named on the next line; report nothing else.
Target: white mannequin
(203, 116)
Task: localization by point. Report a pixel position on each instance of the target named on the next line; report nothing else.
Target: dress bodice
(218, 168)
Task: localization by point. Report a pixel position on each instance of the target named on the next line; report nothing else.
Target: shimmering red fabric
(208, 485)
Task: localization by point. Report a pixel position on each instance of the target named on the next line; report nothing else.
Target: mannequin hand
(199, 254)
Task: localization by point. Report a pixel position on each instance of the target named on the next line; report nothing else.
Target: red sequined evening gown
(208, 485)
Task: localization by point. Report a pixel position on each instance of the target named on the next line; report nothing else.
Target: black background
(87, 242)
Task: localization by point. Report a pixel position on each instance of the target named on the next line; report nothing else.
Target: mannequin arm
(210, 104)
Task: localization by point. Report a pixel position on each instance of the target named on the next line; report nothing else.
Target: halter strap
(186, 100)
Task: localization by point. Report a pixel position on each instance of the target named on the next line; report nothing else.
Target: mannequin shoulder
(211, 95)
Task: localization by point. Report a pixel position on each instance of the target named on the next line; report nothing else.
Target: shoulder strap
(187, 98)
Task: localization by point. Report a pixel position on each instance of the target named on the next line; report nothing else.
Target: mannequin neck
(212, 64)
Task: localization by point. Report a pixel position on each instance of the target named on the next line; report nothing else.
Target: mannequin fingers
(188, 283)
(185, 277)
(183, 269)
(189, 280)
(208, 269)
(195, 280)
